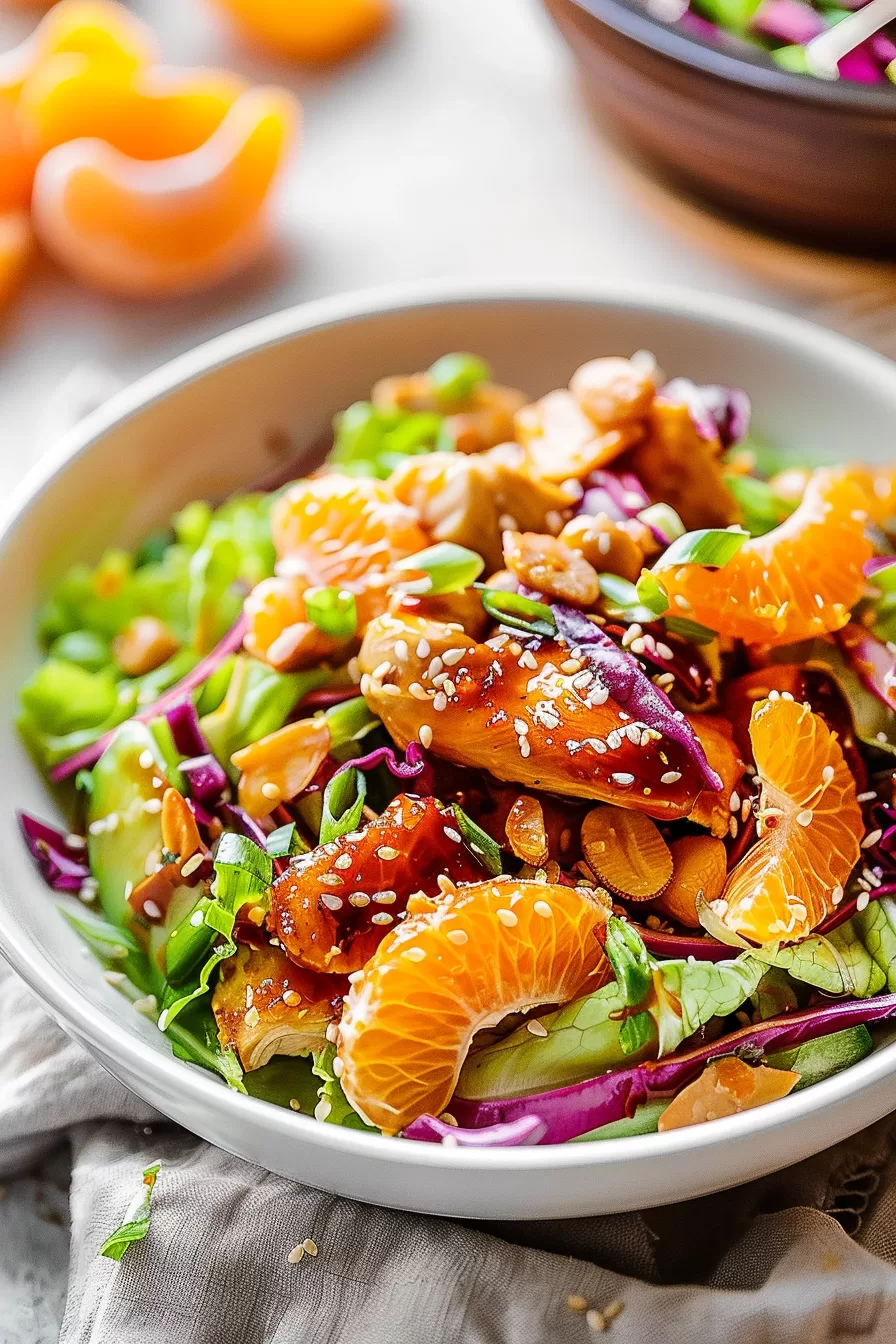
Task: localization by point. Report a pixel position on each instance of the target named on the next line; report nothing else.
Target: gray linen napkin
(772, 1261)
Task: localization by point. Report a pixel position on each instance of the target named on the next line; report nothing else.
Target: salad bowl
(250, 407)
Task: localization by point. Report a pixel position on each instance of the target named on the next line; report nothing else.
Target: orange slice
(455, 965)
(797, 582)
(810, 827)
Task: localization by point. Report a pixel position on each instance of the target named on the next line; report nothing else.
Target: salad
(783, 29)
(523, 775)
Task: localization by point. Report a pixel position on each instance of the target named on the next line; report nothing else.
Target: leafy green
(258, 702)
(373, 440)
(836, 963)
(136, 1220)
(62, 697)
(455, 377)
(285, 842)
(83, 648)
(447, 567)
(822, 1058)
(762, 509)
(876, 925)
(482, 844)
(708, 546)
(644, 1121)
(333, 1106)
(333, 610)
(114, 947)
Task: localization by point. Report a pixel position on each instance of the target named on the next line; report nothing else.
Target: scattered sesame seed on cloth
(235, 1254)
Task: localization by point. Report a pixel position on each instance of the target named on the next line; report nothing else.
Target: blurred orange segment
(15, 250)
(458, 963)
(311, 30)
(810, 827)
(92, 27)
(147, 113)
(170, 226)
(796, 582)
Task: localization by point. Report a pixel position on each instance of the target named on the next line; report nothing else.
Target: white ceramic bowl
(209, 423)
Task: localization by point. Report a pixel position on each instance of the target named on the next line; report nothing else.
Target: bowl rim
(648, 31)
(162, 1071)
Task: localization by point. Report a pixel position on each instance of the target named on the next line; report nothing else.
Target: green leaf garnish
(690, 630)
(333, 610)
(762, 508)
(518, 612)
(629, 959)
(636, 1032)
(136, 1221)
(448, 568)
(711, 546)
(455, 376)
(482, 844)
(343, 804)
(664, 519)
(619, 591)
(285, 841)
(651, 593)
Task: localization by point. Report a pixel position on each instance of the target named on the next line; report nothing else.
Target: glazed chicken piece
(677, 466)
(543, 718)
(472, 500)
(265, 1005)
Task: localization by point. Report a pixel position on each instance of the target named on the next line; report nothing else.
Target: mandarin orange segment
(455, 965)
(91, 27)
(716, 737)
(331, 531)
(810, 827)
(521, 715)
(796, 582)
(311, 30)
(16, 245)
(146, 113)
(172, 225)
(16, 163)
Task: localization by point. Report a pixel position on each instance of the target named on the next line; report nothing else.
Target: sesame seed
(292, 998)
(151, 806)
(570, 665)
(388, 689)
(338, 1070)
(837, 895)
(439, 679)
(520, 727)
(401, 649)
(449, 687)
(197, 919)
(664, 651)
(75, 841)
(435, 667)
(574, 1301)
(332, 1032)
(251, 1017)
(682, 603)
(151, 910)
(331, 901)
(670, 777)
(638, 645)
(528, 660)
(868, 797)
(536, 1028)
(295, 1104)
(595, 1320)
(271, 790)
(804, 818)
(613, 1310)
(666, 680)
(423, 648)
(114, 978)
(734, 802)
(449, 1141)
(871, 839)
(365, 684)
(146, 760)
(343, 861)
(418, 691)
(414, 953)
(386, 852)
(298, 1252)
(745, 809)
(382, 917)
(359, 899)
(381, 670)
(458, 937)
(440, 701)
(309, 1246)
(191, 865)
(452, 834)
(452, 656)
(424, 733)
(543, 909)
(525, 749)
(622, 778)
(862, 900)
(732, 827)
(507, 918)
(147, 1006)
(331, 880)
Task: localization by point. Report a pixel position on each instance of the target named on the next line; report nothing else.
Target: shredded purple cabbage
(208, 779)
(184, 724)
(791, 21)
(718, 412)
(870, 567)
(873, 663)
(571, 1111)
(412, 766)
(860, 66)
(237, 819)
(88, 756)
(677, 946)
(63, 866)
(619, 495)
(630, 688)
(528, 1129)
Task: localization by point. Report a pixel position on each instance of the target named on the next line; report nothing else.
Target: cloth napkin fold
(773, 1261)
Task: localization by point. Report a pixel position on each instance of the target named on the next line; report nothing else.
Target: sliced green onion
(690, 630)
(455, 376)
(482, 845)
(135, 1225)
(711, 546)
(518, 612)
(416, 433)
(651, 593)
(359, 433)
(448, 569)
(885, 577)
(664, 519)
(762, 508)
(285, 842)
(84, 648)
(350, 721)
(630, 961)
(619, 591)
(343, 804)
(333, 611)
(636, 1032)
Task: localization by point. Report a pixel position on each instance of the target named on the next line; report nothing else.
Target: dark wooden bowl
(816, 160)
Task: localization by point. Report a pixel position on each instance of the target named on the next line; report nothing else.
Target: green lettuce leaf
(333, 1107)
(136, 1220)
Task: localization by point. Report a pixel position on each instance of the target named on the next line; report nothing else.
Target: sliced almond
(526, 832)
(626, 852)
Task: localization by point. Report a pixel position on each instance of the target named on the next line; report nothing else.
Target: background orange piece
(311, 30)
(16, 242)
(170, 226)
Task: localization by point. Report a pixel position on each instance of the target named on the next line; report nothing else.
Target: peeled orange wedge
(796, 582)
(810, 827)
(459, 963)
